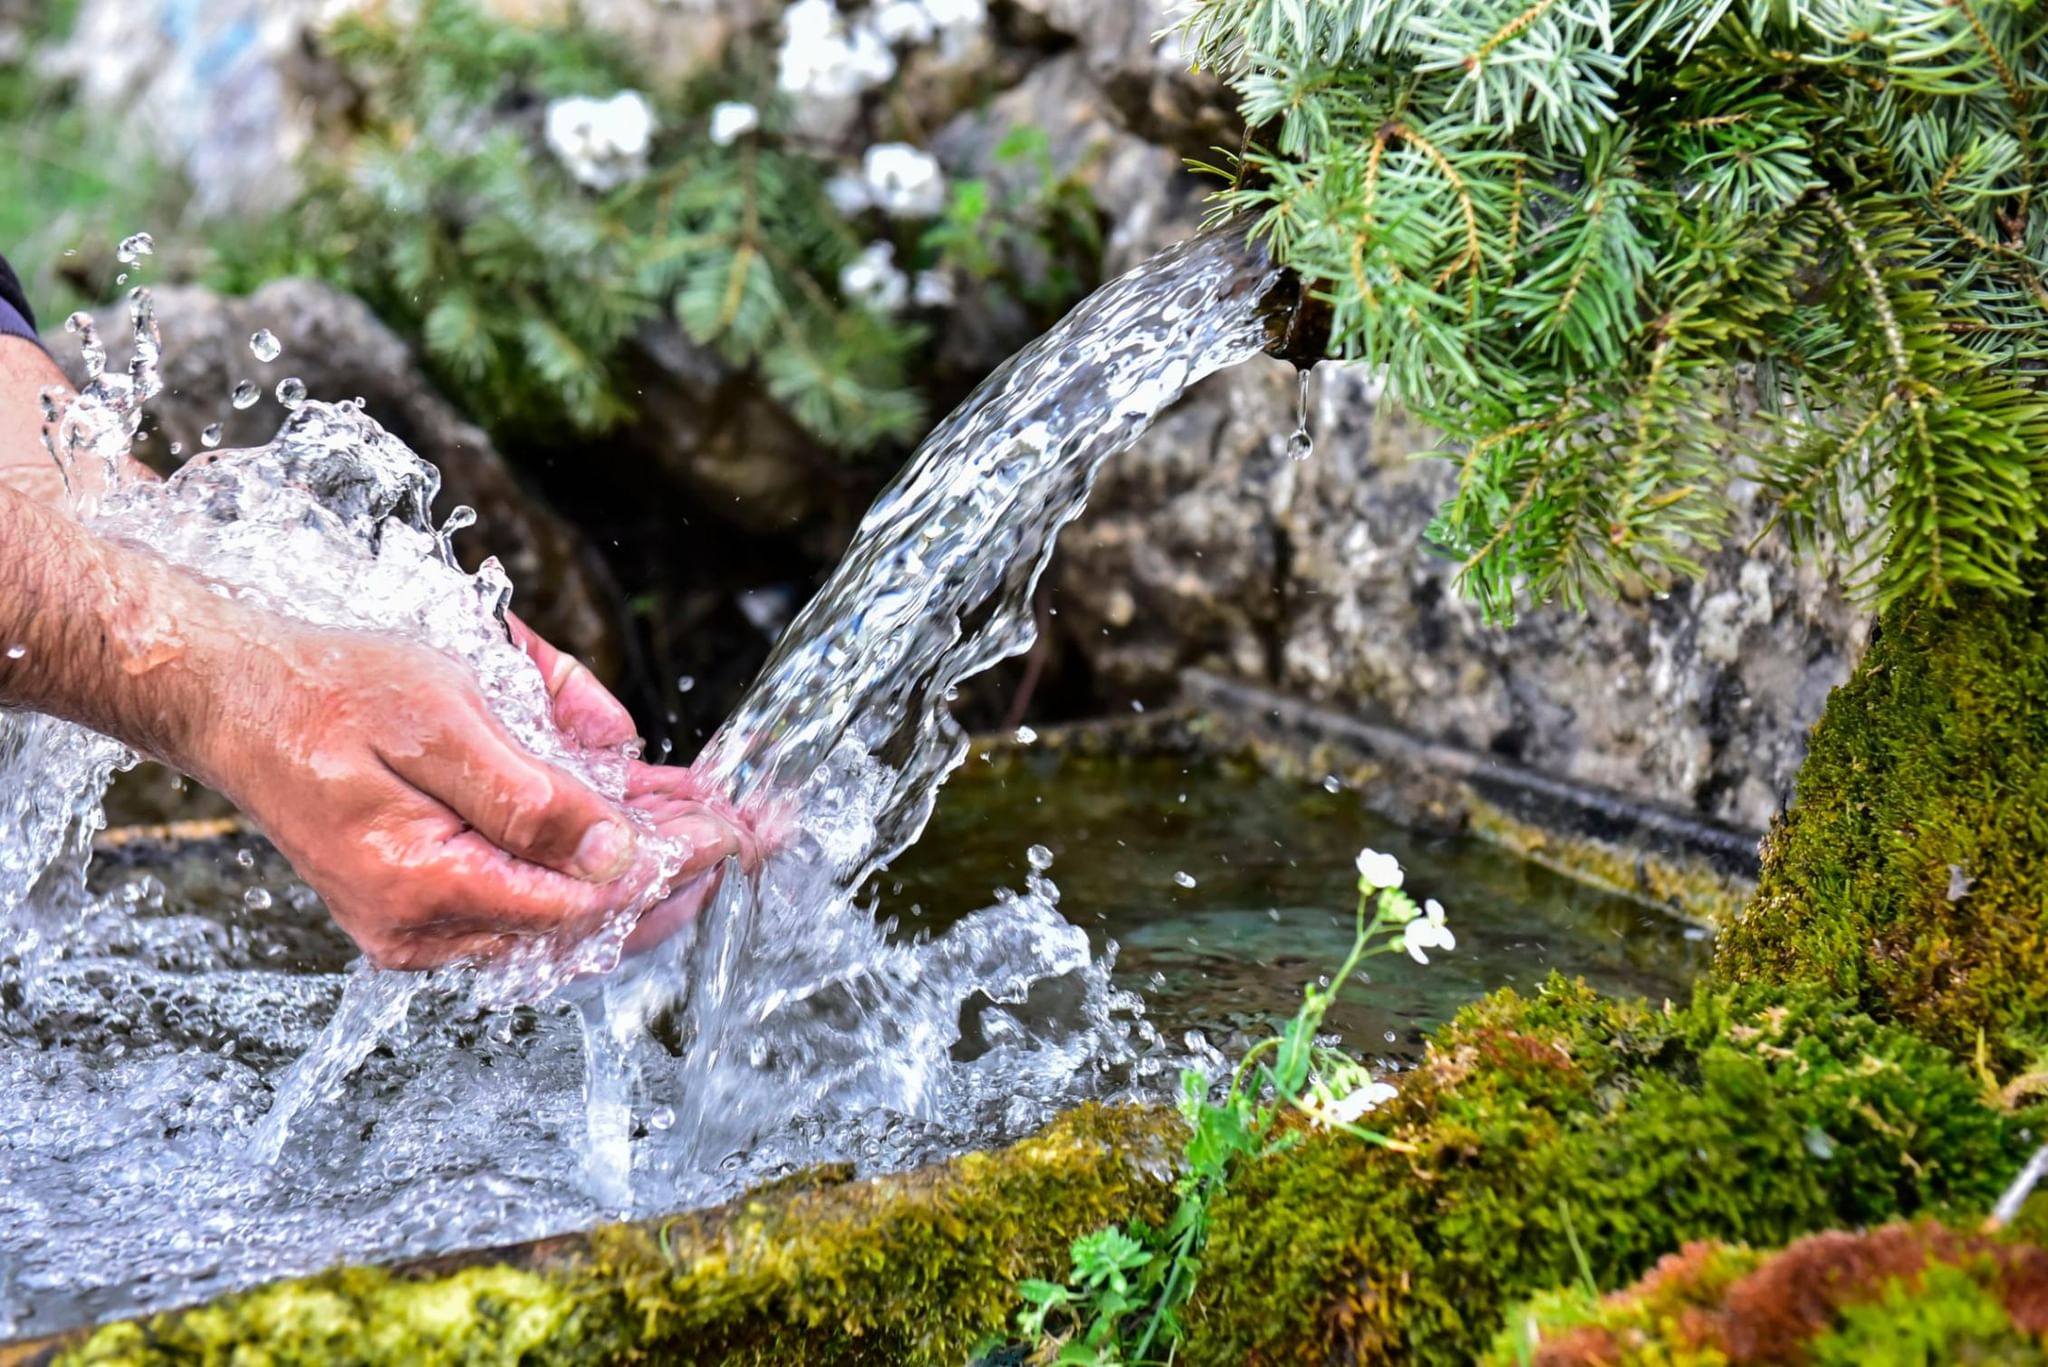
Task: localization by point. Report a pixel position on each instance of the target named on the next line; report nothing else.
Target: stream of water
(184, 1108)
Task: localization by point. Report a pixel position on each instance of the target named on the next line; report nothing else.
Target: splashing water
(160, 1065)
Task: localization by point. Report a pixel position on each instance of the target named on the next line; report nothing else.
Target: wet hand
(684, 807)
(432, 835)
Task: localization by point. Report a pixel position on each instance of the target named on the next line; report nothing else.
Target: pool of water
(1273, 898)
(134, 1072)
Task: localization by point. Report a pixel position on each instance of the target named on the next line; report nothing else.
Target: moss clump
(1900, 1296)
(1912, 875)
(1632, 1128)
(908, 1269)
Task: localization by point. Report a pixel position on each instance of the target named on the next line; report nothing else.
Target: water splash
(786, 1026)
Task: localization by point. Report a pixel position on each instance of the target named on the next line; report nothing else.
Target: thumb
(517, 801)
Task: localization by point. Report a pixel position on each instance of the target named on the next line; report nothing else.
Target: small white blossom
(904, 21)
(848, 194)
(1348, 1108)
(903, 181)
(874, 281)
(602, 143)
(934, 290)
(1427, 932)
(732, 121)
(825, 58)
(1379, 870)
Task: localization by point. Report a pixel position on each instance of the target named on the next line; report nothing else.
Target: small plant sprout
(1122, 1299)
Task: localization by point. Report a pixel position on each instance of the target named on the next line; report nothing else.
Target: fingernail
(606, 852)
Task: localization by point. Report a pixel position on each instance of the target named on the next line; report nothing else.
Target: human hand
(378, 771)
(682, 805)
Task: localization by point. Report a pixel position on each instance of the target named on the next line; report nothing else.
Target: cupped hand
(432, 835)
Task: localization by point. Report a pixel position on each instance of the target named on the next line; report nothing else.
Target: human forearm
(26, 370)
(103, 634)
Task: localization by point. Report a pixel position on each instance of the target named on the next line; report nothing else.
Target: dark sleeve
(17, 319)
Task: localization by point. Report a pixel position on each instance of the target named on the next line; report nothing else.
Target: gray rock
(1136, 57)
(230, 92)
(1207, 547)
(340, 350)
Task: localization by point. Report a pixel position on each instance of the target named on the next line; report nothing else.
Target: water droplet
(685, 684)
(1025, 735)
(292, 392)
(15, 652)
(177, 448)
(257, 899)
(1039, 857)
(1333, 784)
(460, 517)
(245, 859)
(1137, 706)
(1302, 444)
(210, 438)
(661, 1118)
(1391, 1037)
(80, 325)
(134, 247)
(245, 395)
(1186, 880)
(121, 279)
(265, 346)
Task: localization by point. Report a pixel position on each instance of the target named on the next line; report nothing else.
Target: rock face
(1207, 547)
(336, 346)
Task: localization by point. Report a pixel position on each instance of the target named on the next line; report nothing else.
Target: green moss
(1947, 1316)
(1748, 1117)
(908, 1269)
(1899, 1296)
(1912, 875)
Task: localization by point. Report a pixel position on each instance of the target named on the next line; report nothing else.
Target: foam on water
(179, 1114)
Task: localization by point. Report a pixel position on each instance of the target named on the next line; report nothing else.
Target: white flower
(823, 58)
(1427, 932)
(848, 193)
(960, 22)
(957, 14)
(873, 280)
(904, 21)
(1378, 870)
(903, 181)
(1348, 1108)
(934, 290)
(732, 121)
(602, 143)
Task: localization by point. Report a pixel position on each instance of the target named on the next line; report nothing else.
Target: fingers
(517, 802)
(584, 707)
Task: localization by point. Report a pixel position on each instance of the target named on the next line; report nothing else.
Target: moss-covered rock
(1905, 1295)
(1630, 1128)
(909, 1269)
(1911, 876)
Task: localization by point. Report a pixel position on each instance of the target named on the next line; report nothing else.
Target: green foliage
(460, 228)
(1126, 1292)
(1583, 239)
(447, 213)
